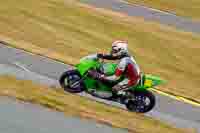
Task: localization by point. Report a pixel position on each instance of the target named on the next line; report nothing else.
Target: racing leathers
(127, 66)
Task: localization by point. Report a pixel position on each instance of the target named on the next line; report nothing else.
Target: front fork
(77, 82)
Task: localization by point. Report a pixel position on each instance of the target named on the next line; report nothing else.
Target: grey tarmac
(18, 117)
(149, 14)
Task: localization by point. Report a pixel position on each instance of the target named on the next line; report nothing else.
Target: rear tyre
(143, 102)
(70, 77)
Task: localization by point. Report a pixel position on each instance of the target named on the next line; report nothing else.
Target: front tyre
(69, 80)
(142, 103)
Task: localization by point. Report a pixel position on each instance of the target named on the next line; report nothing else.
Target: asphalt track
(17, 117)
(148, 14)
(46, 71)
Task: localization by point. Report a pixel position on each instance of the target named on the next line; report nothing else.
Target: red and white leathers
(127, 66)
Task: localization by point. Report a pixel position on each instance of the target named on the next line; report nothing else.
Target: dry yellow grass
(74, 105)
(67, 30)
(188, 8)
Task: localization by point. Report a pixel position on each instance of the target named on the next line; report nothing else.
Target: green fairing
(153, 81)
(85, 65)
(149, 81)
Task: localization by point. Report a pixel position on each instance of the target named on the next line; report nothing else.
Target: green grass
(188, 8)
(74, 105)
(67, 30)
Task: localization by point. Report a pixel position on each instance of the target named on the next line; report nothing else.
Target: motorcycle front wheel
(69, 80)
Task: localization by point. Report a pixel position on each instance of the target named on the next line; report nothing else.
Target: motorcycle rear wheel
(142, 103)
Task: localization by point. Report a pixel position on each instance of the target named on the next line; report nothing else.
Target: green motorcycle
(137, 98)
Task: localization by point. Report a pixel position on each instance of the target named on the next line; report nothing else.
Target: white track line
(18, 64)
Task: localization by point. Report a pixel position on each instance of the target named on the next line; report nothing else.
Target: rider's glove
(94, 74)
(102, 77)
(99, 55)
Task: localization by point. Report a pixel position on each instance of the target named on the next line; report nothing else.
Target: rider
(127, 66)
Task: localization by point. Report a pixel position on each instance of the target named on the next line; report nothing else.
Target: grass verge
(68, 30)
(74, 105)
(179, 7)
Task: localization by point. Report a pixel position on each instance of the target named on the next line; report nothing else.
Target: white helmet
(119, 48)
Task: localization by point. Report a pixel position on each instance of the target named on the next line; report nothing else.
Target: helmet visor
(115, 50)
